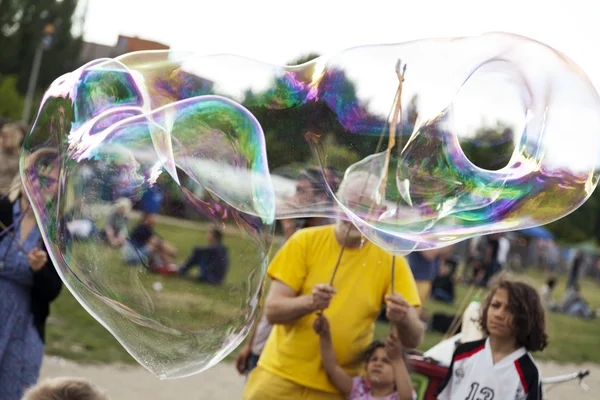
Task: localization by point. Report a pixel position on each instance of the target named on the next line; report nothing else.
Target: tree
(11, 103)
(291, 108)
(22, 24)
(491, 147)
(581, 225)
(304, 59)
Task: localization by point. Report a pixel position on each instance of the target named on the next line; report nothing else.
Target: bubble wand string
(337, 264)
(392, 141)
(396, 116)
(8, 232)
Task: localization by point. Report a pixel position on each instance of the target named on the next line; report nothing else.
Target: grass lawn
(73, 334)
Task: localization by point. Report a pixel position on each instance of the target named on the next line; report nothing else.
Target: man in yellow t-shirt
(290, 365)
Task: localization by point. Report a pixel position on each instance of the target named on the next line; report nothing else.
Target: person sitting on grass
(115, 227)
(212, 259)
(386, 375)
(145, 247)
(574, 304)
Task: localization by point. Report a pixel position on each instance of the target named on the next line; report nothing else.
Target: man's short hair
(358, 186)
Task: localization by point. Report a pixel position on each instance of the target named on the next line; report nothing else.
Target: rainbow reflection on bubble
(434, 193)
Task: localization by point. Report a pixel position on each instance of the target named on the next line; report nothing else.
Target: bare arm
(289, 228)
(401, 377)
(406, 320)
(338, 377)
(283, 304)
(241, 361)
(110, 233)
(403, 382)
(412, 329)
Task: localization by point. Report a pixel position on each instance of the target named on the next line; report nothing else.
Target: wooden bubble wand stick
(396, 117)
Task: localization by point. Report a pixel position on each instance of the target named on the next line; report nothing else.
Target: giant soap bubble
(463, 137)
(489, 130)
(205, 158)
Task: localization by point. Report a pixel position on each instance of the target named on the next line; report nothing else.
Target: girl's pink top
(361, 391)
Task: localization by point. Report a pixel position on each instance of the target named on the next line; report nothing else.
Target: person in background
(152, 200)
(503, 251)
(490, 261)
(311, 193)
(573, 304)
(546, 294)
(146, 247)
(11, 138)
(424, 266)
(28, 280)
(476, 254)
(575, 269)
(247, 358)
(310, 190)
(213, 260)
(442, 288)
(115, 227)
(553, 257)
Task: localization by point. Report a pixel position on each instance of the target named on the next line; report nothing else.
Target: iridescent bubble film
(488, 130)
(167, 176)
(446, 138)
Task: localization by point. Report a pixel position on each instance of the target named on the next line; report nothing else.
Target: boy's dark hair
(216, 232)
(551, 282)
(529, 319)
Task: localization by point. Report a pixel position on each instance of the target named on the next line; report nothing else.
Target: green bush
(11, 102)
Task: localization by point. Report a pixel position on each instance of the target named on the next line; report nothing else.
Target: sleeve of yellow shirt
(405, 283)
(289, 265)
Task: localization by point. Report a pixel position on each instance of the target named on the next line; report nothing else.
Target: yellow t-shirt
(362, 280)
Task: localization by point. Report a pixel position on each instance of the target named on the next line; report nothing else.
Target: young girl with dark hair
(386, 375)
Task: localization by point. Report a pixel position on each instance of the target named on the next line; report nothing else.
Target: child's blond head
(64, 389)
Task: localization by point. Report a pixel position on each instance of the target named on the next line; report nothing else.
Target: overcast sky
(278, 31)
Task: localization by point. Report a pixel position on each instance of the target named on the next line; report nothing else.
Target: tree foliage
(491, 147)
(581, 225)
(11, 102)
(22, 25)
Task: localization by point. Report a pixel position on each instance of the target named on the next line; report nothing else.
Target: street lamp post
(35, 71)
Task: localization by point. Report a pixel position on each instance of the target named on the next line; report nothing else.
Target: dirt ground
(223, 382)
